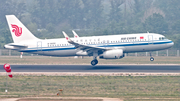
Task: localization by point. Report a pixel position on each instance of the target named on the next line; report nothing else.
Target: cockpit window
(162, 38)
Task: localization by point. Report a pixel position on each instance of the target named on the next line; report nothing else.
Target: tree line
(48, 18)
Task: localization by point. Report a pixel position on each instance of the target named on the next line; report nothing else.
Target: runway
(98, 68)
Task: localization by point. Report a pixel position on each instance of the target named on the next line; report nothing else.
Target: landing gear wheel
(151, 59)
(94, 62)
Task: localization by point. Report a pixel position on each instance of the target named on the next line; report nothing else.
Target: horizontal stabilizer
(16, 45)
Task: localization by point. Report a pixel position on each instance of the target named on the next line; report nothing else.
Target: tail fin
(18, 31)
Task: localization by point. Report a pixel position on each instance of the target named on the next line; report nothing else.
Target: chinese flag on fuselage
(141, 37)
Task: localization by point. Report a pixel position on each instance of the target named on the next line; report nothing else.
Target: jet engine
(112, 54)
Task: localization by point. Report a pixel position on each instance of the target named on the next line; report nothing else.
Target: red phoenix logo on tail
(17, 30)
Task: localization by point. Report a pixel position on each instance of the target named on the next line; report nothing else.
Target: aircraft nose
(172, 43)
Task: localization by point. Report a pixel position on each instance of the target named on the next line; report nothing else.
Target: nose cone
(172, 43)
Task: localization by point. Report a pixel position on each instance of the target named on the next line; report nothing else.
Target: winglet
(67, 37)
(75, 34)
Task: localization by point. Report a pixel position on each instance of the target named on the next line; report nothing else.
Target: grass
(128, 87)
(86, 60)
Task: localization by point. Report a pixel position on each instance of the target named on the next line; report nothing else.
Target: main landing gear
(94, 61)
(151, 58)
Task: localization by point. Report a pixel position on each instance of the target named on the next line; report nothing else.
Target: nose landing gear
(151, 59)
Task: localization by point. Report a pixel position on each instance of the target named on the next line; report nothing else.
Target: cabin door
(105, 43)
(150, 39)
(39, 46)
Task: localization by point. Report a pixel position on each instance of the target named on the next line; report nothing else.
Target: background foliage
(47, 18)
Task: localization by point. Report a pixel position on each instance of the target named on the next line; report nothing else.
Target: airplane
(104, 47)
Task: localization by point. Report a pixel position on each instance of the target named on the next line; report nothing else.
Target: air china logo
(17, 30)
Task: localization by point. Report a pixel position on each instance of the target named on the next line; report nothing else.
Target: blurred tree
(171, 9)
(175, 27)
(156, 24)
(33, 28)
(5, 36)
(92, 13)
(115, 12)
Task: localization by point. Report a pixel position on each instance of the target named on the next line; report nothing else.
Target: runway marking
(89, 74)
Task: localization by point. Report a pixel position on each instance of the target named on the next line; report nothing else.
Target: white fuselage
(128, 43)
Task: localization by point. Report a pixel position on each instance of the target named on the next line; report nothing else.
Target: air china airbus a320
(106, 47)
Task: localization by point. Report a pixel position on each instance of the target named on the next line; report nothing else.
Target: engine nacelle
(112, 54)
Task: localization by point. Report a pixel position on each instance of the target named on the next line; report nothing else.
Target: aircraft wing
(89, 49)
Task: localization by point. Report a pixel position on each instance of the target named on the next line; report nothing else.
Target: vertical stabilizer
(18, 31)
